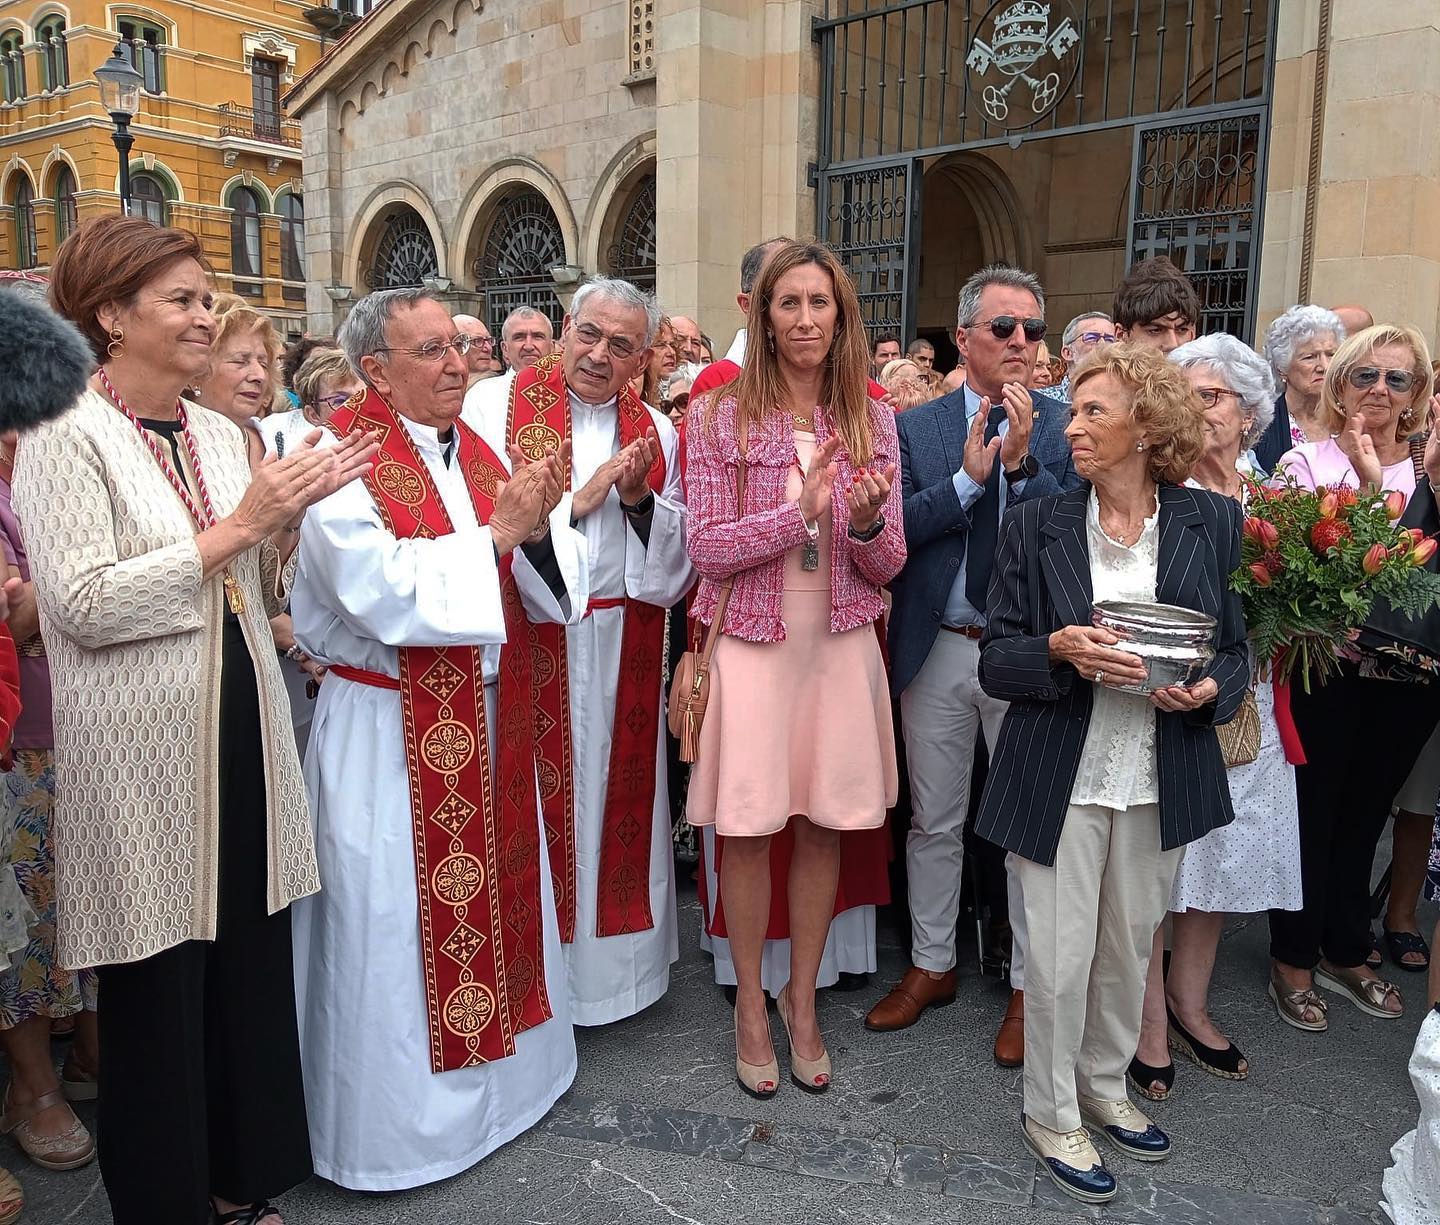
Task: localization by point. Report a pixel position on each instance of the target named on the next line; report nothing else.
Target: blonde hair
(1162, 403)
(236, 317)
(845, 393)
(1353, 353)
(323, 363)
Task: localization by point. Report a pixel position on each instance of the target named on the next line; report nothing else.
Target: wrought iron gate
(904, 82)
(1195, 197)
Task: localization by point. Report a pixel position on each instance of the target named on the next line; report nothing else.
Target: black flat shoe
(250, 1215)
(851, 982)
(1400, 943)
(1142, 1076)
(1222, 1063)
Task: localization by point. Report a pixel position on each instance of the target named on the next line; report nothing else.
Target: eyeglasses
(680, 401)
(590, 336)
(335, 401)
(1210, 396)
(1002, 327)
(481, 342)
(434, 350)
(1096, 338)
(1362, 378)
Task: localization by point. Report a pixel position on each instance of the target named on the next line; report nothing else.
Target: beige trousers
(1092, 920)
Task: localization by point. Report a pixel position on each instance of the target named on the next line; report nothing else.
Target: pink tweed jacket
(751, 546)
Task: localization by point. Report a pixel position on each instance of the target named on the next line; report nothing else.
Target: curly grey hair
(1247, 373)
(623, 293)
(1296, 326)
(995, 274)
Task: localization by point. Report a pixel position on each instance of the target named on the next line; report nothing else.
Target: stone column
(736, 106)
(1374, 191)
(325, 230)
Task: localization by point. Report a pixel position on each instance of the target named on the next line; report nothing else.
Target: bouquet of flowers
(1313, 563)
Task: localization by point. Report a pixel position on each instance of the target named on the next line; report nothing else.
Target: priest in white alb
(430, 982)
(600, 706)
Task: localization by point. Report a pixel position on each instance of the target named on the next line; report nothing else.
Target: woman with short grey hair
(1300, 345)
(1252, 864)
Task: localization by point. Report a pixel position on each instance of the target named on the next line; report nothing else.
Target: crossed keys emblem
(1022, 38)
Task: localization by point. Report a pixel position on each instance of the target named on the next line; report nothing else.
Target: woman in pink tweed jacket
(798, 730)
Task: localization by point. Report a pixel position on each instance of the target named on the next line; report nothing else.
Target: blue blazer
(937, 527)
(1041, 583)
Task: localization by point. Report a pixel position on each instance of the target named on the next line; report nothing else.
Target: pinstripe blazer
(1042, 583)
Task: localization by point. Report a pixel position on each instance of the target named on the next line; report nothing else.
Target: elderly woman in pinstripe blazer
(1097, 791)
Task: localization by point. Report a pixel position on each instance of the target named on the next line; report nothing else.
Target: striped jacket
(1041, 583)
(751, 547)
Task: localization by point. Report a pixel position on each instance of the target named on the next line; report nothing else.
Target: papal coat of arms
(1021, 46)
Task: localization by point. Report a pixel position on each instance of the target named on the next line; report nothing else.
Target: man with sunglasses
(602, 727)
(964, 458)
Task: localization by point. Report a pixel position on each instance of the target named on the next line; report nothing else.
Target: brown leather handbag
(690, 686)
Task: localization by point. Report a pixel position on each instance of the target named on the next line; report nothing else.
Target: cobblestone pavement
(920, 1126)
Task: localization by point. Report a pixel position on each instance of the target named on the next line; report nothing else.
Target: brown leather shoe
(1010, 1041)
(910, 997)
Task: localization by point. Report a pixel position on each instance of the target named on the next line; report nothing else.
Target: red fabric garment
(9, 694)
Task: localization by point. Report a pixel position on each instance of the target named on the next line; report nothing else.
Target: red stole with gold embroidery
(477, 846)
(539, 420)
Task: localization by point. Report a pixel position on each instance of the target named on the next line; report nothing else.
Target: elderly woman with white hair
(1252, 864)
(1300, 345)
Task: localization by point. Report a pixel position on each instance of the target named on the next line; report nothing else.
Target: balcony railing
(245, 122)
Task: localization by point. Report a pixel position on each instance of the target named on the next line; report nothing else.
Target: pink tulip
(1394, 505)
(1260, 574)
(1423, 552)
(1374, 558)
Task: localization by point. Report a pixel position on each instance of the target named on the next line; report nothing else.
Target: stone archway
(970, 217)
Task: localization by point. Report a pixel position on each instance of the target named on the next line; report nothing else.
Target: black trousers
(1361, 738)
(200, 1089)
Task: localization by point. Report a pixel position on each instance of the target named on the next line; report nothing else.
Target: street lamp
(120, 95)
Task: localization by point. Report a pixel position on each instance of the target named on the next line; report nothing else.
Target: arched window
(12, 60)
(148, 199)
(247, 256)
(54, 61)
(632, 254)
(64, 204)
(25, 244)
(523, 243)
(292, 237)
(404, 254)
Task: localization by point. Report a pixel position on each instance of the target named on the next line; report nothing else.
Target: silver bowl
(1175, 643)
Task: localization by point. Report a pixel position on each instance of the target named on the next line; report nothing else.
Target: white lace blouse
(1117, 765)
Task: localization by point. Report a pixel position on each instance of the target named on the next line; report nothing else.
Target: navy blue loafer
(1127, 1128)
(1071, 1161)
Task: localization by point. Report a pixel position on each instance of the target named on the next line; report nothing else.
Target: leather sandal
(71, 1149)
(1401, 943)
(1367, 994)
(81, 1084)
(251, 1214)
(1293, 1005)
(12, 1198)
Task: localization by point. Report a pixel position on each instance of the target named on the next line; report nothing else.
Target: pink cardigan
(752, 548)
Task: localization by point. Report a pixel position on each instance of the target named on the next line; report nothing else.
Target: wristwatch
(1027, 467)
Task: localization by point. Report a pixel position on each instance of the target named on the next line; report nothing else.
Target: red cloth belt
(604, 601)
(363, 676)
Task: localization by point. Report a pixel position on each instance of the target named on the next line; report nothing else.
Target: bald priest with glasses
(964, 458)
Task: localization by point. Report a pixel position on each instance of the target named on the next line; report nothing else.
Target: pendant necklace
(204, 514)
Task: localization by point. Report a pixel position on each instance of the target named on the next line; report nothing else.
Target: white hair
(1247, 373)
(622, 293)
(995, 274)
(519, 315)
(1294, 328)
(1072, 329)
(363, 332)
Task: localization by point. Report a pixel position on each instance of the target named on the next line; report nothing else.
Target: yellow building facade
(214, 152)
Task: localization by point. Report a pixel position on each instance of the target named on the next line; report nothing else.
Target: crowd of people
(438, 585)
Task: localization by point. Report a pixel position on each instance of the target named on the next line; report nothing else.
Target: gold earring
(117, 342)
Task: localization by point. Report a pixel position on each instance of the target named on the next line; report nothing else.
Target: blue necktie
(984, 524)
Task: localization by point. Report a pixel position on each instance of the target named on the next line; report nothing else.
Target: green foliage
(1314, 600)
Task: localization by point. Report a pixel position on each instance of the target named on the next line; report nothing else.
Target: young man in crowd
(1156, 305)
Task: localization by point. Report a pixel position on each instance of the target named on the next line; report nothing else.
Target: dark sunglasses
(1364, 377)
(1002, 327)
(680, 401)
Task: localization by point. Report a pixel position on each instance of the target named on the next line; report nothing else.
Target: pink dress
(801, 726)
